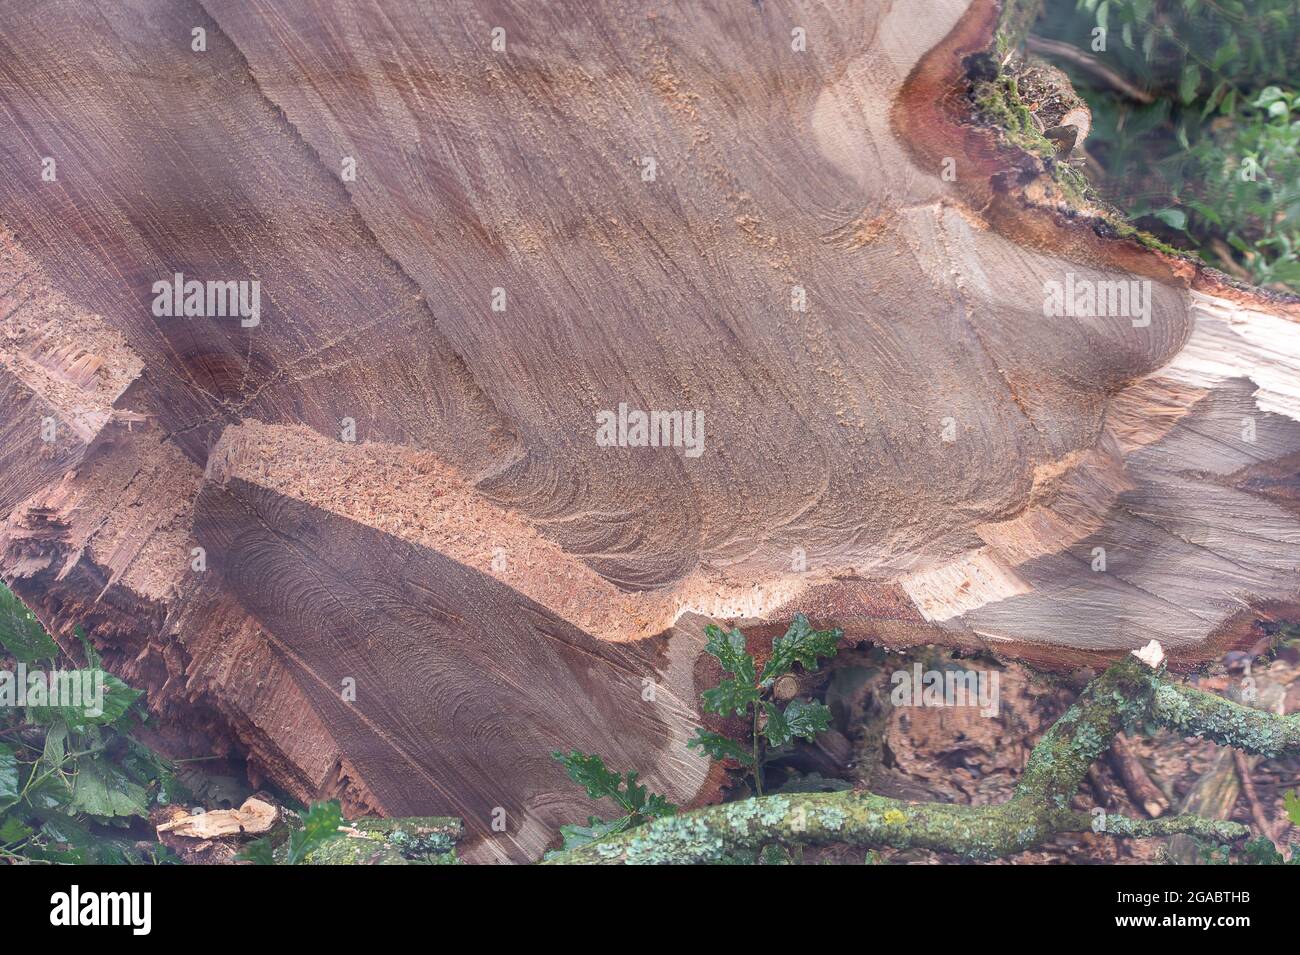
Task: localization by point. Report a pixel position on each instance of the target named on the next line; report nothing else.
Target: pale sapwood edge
(1127, 697)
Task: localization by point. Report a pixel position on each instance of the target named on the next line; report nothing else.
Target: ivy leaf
(719, 747)
(801, 644)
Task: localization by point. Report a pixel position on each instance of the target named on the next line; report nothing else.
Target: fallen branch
(1128, 695)
(1135, 778)
(1063, 51)
(1245, 769)
(1214, 796)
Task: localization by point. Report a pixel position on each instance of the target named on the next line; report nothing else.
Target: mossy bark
(1015, 19)
(998, 103)
(415, 840)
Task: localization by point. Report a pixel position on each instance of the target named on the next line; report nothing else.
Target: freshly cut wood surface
(254, 817)
(778, 217)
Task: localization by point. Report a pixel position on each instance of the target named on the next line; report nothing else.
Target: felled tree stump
(368, 534)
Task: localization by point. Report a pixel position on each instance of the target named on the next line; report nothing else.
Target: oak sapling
(745, 693)
(638, 804)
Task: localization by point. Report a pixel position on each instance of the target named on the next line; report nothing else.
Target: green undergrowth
(76, 786)
(1211, 159)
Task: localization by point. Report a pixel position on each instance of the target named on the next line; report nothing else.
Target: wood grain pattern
(917, 453)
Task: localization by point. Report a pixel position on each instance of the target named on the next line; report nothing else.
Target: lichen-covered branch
(1194, 712)
(1127, 697)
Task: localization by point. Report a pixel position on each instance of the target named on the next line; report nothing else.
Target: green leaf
(801, 644)
(719, 747)
(1206, 212)
(118, 697)
(590, 772)
(1260, 851)
(1215, 97)
(55, 749)
(259, 852)
(92, 655)
(595, 829)
(777, 729)
(658, 806)
(151, 770)
(634, 798)
(8, 775)
(1226, 53)
(730, 650)
(1292, 802)
(21, 634)
(730, 696)
(102, 789)
(319, 826)
(1267, 96)
(1189, 83)
(1174, 218)
(103, 699)
(803, 719)
(13, 830)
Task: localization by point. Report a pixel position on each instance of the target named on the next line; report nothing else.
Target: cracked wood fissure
(917, 454)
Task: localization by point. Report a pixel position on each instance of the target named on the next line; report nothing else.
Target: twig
(1226, 261)
(1134, 776)
(1245, 771)
(1064, 51)
(1214, 795)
